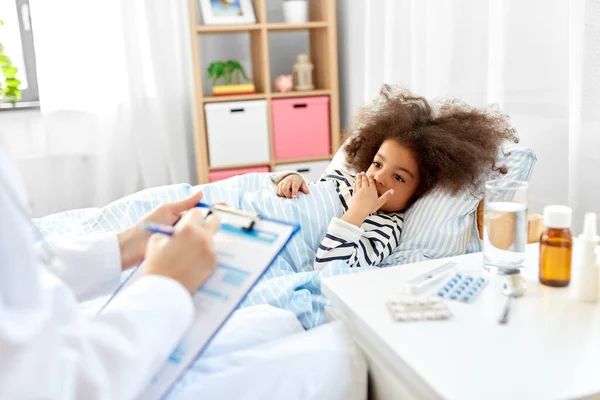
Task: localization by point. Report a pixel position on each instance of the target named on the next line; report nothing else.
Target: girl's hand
(290, 185)
(365, 200)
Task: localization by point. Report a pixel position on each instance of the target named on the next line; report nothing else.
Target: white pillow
(439, 225)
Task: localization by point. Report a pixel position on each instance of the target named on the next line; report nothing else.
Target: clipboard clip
(242, 219)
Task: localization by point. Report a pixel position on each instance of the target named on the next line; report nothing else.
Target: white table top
(550, 347)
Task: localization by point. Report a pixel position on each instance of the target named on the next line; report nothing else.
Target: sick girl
(402, 148)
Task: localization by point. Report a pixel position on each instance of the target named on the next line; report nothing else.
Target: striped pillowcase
(439, 225)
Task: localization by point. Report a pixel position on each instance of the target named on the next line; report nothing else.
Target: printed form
(243, 256)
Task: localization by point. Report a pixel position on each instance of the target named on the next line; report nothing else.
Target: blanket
(290, 283)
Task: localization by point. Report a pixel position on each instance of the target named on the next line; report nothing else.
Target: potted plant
(9, 84)
(228, 71)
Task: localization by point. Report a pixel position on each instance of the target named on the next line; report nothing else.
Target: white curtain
(115, 87)
(538, 59)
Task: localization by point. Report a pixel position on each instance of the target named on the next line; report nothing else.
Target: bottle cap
(557, 217)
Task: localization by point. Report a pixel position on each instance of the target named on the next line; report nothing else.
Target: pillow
(439, 225)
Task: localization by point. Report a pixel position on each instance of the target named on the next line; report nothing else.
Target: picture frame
(222, 12)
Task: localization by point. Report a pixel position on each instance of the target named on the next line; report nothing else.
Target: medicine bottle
(556, 246)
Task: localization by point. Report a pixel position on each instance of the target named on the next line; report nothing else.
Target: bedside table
(549, 349)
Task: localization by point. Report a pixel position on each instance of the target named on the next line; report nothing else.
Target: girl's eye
(376, 164)
(399, 178)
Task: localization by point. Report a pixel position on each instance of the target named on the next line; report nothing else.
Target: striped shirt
(370, 244)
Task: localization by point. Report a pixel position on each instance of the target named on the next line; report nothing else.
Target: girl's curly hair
(456, 145)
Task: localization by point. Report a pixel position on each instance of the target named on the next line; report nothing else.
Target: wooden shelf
(274, 26)
(261, 96)
(235, 97)
(282, 26)
(271, 163)
(228, 28)
(278, 95)
(322, 36)
(239, 166)
(303, 160)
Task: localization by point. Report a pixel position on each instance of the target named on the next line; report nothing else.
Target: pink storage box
(301, 127)
(214, 176)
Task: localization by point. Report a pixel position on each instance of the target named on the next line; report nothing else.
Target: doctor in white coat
(48, 350)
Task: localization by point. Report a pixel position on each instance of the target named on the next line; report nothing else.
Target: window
(17, 37)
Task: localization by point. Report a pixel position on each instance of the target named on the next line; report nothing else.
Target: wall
(351, 58)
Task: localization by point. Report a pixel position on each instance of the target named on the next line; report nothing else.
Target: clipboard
(247, 245)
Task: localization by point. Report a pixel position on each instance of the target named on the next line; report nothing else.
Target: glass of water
(504, 226)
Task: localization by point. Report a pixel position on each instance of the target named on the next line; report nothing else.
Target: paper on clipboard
(243, 256)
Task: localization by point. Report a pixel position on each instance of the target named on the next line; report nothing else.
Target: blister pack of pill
(462, 287)
(410, 308)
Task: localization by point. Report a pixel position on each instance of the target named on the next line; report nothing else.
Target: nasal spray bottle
(584, 277)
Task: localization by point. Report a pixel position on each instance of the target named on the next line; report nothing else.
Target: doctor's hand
(188, 256)
(133, 242)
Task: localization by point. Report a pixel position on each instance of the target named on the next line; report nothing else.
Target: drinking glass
(504, 226)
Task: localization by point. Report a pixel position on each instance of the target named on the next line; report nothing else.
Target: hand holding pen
(184, 252)
(133, 241)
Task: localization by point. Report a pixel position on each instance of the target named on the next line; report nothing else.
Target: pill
(401, 317)
(415, 315)
(454, 296)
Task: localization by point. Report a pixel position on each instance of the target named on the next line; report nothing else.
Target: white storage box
(238, 133)
(311, 171)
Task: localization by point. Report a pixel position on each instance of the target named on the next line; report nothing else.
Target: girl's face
(395, 167)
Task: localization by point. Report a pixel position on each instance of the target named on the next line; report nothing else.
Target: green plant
(226, 70)
(9, 84)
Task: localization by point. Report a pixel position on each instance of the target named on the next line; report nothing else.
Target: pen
(156, 228)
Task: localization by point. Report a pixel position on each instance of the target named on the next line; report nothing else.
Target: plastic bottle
(556, 245)
(584, 285)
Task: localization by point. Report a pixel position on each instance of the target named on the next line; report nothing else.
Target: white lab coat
(48, 350)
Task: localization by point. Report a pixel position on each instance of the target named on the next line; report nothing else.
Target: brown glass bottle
(556, 245)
